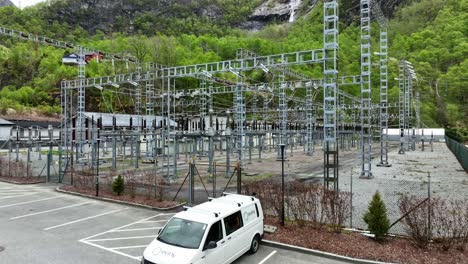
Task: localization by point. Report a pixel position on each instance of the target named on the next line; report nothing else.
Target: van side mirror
(211, 245)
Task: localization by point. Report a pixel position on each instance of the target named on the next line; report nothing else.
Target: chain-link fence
(459, 150)
(20, 161)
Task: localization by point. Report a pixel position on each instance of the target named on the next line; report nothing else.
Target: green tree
(118, 185)
(376, 217)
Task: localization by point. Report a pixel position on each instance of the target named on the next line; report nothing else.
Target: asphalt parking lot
(39, 225)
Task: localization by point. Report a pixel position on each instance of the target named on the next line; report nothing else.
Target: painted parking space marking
(129, 247)
(136, 229)
(84, 219)
(111, 250)
(151, 222)
(127, 236)
(267, 257)
(28, 202)
(118, 238)
(14, 196)
(51, 210)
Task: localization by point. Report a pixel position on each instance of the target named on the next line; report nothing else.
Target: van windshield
(182, 233)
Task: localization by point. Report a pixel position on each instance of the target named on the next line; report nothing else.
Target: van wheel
(255, 244)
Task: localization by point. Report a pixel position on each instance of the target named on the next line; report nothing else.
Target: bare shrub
(303, 203)
(83, 181)
(415, 222)
(160, 190)
(130, 183)
(269, 194)
(3, 166)
(311, 203)
(336, 207)
(450, 223)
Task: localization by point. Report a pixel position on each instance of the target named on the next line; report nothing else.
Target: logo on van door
(160, 251)
(248, 215)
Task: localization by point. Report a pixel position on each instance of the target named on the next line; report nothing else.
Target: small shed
(5, 129)
(72, 58)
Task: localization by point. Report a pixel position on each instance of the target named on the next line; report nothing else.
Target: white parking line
(112, 250)
(118, 238)
(119, 229)
(14, 196)
(48, 211)
(137, 229)
(84, 219)
(149, 222)
(267, 257)
(130, 247)
(35, 201)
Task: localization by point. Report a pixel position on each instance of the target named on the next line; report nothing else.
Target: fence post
(214, 179)
(239, 178)
(429, 224)
(191, 182)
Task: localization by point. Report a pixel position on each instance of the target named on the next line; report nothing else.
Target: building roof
(123, 120)
(4, 122)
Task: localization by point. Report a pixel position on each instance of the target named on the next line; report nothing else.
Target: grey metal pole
(429, 224)
(282, 185)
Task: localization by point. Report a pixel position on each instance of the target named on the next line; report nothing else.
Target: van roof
(216, 208)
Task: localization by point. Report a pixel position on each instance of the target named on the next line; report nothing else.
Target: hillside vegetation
(432, 34)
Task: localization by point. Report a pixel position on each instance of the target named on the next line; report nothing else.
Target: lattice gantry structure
(383, 65)
(67, 98)
(406, 74)
(288, 107)
(366, 91)
(330, 87)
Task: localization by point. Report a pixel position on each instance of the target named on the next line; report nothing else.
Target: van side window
(233, 222)
(256, 209)
(215, 234)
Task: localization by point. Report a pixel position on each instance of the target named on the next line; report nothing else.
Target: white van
(216, 232)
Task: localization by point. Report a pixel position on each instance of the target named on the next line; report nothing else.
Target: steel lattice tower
(330, 70)
(366, 91)
(81, 98)
(149, 92)
(202, 103)
(138, 92)
(310, 119)
(283, 114)
(401, 104)
(383, 26)
(408, 121)
(240, 117)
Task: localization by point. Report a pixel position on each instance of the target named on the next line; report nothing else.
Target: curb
(319, 253)
(120, 202)
(21, 183)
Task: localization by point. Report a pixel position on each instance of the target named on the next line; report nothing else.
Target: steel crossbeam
(277, 60)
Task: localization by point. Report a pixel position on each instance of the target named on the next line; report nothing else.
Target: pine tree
(118, 185)
(376, 217)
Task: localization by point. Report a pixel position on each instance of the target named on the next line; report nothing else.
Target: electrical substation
(173, 125)
(210, 137)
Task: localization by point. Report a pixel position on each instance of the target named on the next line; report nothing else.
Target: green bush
(118, 185)
(376, 217)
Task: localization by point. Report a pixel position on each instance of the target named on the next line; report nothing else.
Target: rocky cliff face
(150, 17)
(6, 3)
